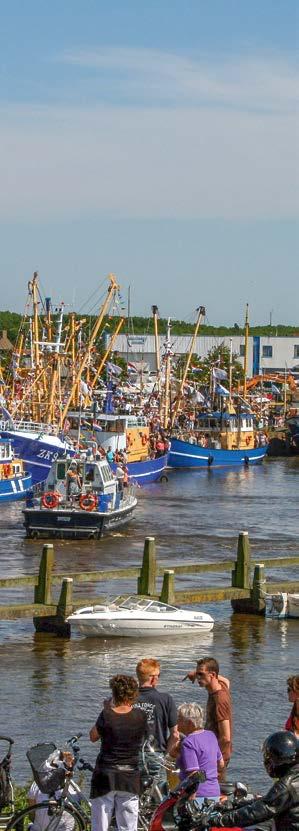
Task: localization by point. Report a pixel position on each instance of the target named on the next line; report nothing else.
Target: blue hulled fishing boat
(221, 439)
(14, 483)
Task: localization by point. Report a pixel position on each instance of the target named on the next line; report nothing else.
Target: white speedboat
(282, 605)
(138, 617)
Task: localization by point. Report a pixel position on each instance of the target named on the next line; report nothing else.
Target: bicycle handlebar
(7, 739)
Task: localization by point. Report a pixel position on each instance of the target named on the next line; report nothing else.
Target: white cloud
(234, 156)
(254, 83)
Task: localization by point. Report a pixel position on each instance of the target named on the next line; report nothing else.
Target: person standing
(292, 723)
(161, 713)
(219, 707)
(199, 750)
(115, 783)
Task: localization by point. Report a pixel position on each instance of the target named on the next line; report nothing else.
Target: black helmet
(280, 750)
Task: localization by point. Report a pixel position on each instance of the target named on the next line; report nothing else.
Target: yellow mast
(201, 313)
(167, 376)
(33, 289)
(108, 350)
(157, 347)
(246, 353)
(111, 289)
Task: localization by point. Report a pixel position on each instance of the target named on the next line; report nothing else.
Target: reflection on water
(50, 687)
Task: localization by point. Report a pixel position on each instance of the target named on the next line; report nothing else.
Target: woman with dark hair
(115, 784)
(292, 723)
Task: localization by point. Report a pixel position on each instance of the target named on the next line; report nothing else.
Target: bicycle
(6, 787)
(66, 811)
(152, 792)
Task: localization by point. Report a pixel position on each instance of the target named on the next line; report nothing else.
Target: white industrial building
(266, 354)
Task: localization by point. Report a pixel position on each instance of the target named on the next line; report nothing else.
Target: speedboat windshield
(146, 605)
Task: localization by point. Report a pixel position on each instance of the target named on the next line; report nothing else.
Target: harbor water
(52, 688)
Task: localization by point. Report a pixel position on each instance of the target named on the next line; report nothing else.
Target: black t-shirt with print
(117, 765)
(161, 713)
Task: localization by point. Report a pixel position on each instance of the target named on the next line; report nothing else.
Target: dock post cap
(149, 538)
(169, 571)
(243, 532)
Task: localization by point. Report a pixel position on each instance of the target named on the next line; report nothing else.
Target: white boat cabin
(90, 476)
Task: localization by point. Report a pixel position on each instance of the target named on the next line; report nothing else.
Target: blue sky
(157, 141)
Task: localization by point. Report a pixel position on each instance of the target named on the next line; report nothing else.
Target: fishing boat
(14, 483)
(129, 434)
(82, 499)
(228, 439)
(138, 617)
(292, 425)
(282, 605)
(225, 433)
(47, 367)
(37, 445)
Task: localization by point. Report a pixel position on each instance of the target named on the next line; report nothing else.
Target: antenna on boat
(201, 314)
(155, 312)
(246, 352)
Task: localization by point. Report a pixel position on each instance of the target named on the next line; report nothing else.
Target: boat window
(106, 473)
(60, 470)
(135, 603)
(89, 473)
(155, 606)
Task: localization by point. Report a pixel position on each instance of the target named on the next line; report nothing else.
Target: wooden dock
(245, 586)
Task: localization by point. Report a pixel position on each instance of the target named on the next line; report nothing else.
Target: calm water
(51, 688)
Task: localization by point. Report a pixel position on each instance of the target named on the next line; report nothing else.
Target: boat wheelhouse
(82, 498)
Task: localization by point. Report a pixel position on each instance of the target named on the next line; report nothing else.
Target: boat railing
(32, 426)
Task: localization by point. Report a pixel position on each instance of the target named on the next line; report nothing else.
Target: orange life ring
(50, 499)
(247, 440)
(144, 439)
(88, 501)
(6, 471)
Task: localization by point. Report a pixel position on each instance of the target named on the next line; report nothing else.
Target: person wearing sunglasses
(292, 722)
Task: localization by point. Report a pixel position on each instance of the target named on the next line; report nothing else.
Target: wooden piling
(43, 589)
(258, 590)
(168, 593)
(241, 571)
(146, 583)
(57, 624)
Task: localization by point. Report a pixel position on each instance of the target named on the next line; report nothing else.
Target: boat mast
(246, 353)
(33, 289)
(108, 350)
(110, 292)
(201, 313)
(167, 375)
(230, 374)
(55, 369)
(155, 312)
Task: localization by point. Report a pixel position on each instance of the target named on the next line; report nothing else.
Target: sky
(156, 141)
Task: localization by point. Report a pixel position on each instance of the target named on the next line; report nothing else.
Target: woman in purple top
(199, 750)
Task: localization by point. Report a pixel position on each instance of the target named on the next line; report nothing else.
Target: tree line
(11, 321)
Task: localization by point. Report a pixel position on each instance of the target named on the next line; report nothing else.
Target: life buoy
(50, 499)
(247, 440)
(6, 471)
(129, 440)
(143, 439)
(88, 501)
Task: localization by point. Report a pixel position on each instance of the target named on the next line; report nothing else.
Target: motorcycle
(179, 810)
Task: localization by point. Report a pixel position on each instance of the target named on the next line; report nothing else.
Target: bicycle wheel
(47, 816)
